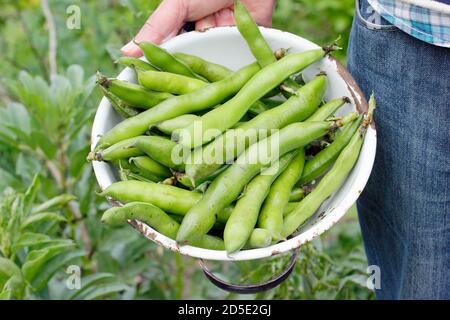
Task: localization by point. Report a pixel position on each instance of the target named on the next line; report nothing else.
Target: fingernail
(130, 48)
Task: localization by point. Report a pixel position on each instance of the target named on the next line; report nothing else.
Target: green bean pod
(145, 212)
(132, 62)
(289, 87)
(122, 108)
(232, 143)
(168, 198)
(272, 103)
(214, 72)
(243, 219)
(155, 218)
(168, 82)
(271, 216)
(296, 194)
(129, 171)
(162, 150)
(318, 165)
(328, 109)
(204, 98)
(165, 61)
(258, 107)
(250, 32)
(133, 94)
(211, 71)
(332, 180)
(290, 207)
(151, 167)
(121, 150)
(257, 44)
(208, 242)
(186, 181)
(326, 187)
(177, 123)
(260, 238)
(227, 186)
(225, 116)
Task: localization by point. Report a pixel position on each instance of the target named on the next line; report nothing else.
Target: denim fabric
(405, 208)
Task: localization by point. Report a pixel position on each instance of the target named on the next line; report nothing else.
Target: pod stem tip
(330, 48)
(91, 156)
(103, 80)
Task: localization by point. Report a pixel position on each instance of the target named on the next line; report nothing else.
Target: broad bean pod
(260, 238)
(122, 108)
(169, 198)
(168, 82)
(232, 143)
(328, 109)
(205, 98)
(271, 216)
(120, 150)
(318, 165)
(211, 71)
(224, 117)
(132, 62)
(151, 168)
(243, 219)
(177, 123)
(330, 181)
(228, 185)
(157, 219)
(162, 150)
(133, 94)
(165, 61)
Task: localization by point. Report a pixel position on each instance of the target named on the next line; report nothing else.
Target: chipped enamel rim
(224, 45)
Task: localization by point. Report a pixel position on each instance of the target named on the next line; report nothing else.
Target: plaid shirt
(426, 20)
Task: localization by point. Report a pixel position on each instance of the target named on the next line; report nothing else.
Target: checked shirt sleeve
(425, 20)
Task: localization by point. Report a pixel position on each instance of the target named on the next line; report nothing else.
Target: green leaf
(75, 74)
(55, 202)
(79, 121)
(54, 265)
(45, 144)
(18, 117)
(36, 259)
(41, 217)
(8, 180)
(30, 194)
(357, 279)
(22, 136)
(8, 269)
(103, 290)
(27, 167)
(90, 281)
(78, 161)
(28, 239)
(5, 295)
(15, 287)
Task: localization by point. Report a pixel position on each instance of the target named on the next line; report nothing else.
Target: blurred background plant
(49, 210)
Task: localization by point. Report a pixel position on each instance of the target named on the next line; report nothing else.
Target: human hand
(167, 20)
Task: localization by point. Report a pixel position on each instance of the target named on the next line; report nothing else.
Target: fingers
(261, 10)
(225, 17)
(206, 23)
(165, 22)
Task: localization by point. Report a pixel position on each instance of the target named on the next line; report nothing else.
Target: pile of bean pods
(189, 168)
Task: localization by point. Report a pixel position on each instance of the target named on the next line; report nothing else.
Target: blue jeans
(404, 210)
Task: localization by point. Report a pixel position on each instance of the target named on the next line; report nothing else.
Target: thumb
(165, 22)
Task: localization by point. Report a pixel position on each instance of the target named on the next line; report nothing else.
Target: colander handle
(251, 288)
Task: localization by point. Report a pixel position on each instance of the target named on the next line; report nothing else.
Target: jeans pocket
(370, 19)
